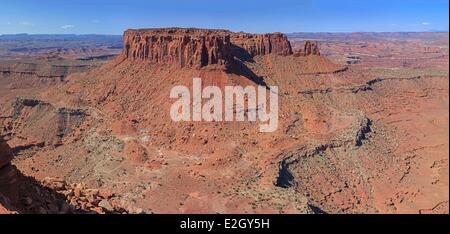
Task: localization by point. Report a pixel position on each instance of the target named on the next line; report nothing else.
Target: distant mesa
(198, 48)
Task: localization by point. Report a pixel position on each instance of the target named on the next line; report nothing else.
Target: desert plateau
(86, 127)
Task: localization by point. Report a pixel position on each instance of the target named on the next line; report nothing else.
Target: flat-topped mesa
(183, 47)
(197, 48)
(309, 48)
(262, 44)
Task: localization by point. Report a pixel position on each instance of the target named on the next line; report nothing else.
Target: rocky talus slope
(23, 194)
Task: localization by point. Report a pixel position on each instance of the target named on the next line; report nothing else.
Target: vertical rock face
(8, 176)
(183, 47)
(5, 154)
(309, 48)
(197, 48)
(262, 44)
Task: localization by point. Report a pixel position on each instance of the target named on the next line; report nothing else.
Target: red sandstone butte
(197, 48)
(309, 48)
(185, 47)
(262, 44)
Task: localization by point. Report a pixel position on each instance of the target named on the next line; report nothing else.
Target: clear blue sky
(114, 16)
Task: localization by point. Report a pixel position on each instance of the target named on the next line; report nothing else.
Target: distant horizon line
(336, 32)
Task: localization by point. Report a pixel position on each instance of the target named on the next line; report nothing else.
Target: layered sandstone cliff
(309, 48)
(197, 48)
(262, 44)
(183, 47)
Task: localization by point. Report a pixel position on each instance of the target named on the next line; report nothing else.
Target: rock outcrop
(262, 44)
(197, 48)
(21, 194)
(309, 48)
(8, 176)
(183, 47)
(57, 122)
(5, 154)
